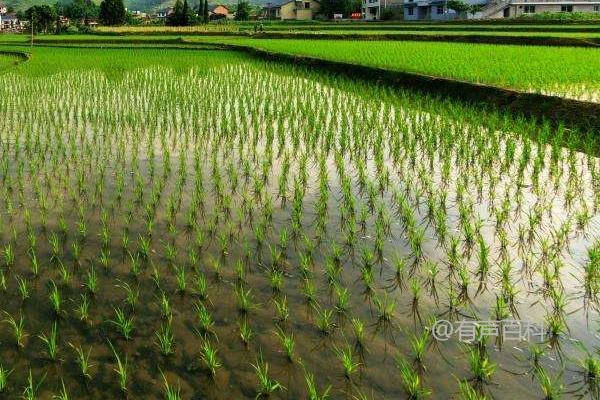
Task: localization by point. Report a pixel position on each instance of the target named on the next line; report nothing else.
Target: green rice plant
(4, 374)
(346, 356)
(83, 361)
(91, 281)
(311, 387)
(83, 309)
(309, 291)
(132, 294)
(171, 393)
(121, 369)
(201, 287)
(467, 392)
(266, 385)
(411, 382)
(62, 394)
(287, 343)
(418, 345)
(123, 323)
(246, 332)
(385, 307)
(276, 280)
(281, 306)
(244, 300)
(24, 288)
(551, 386)
(9, 255)
(55, 299)
(104, 258)
(32, 389)
(324, 320)
(208, 355)
(51, 342)
(180, 276)
(18, 328)
(35, 265)
(144, 248)
(165, 340)
(481, 366)
(205, 320)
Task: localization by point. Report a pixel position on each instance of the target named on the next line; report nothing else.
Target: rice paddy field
(526, 68)
(188, 224)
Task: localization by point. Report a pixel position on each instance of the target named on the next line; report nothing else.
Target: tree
(59, 10)
(344, 7)
(82, 10)
(475, 8)
(201, 11)
(205, 12)
(112, 12)
(243, 11)
(186, 16)
(459, 6)
(181, 16)
(42, 16)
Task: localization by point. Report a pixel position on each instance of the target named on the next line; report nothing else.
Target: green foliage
(243, 11)
(112, 12)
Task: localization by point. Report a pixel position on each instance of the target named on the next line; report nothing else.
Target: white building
(517, 8)
(438, 9)
(374, 9)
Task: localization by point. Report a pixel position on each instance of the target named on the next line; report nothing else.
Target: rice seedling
(55, 298)
(83, 361)
(266, 385)
(51, 342)
(246, 332)
(165, 339)
(287, 343)
(411, 382)
(18, 328)
(24, 288)
(62, 394)
(32, 389)
(4, 374)
(347, 358)
(324, 320)
(208, 355)
(311, 387)
(171, 393)
(123, 323)
(121, 369)
(551, 386)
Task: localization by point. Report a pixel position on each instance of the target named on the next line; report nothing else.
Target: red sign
(356, 15)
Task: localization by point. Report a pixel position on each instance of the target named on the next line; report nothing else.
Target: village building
(291, 10)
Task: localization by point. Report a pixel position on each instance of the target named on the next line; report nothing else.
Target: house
(164, 13)
(438, 9)
(3, 9)
(291, 10)
(374, 9)
(218, 11)
(10, 23)
(520, 8)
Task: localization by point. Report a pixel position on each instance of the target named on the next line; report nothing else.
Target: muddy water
(154, 126)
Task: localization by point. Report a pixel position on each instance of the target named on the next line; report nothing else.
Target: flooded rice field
(243, 230)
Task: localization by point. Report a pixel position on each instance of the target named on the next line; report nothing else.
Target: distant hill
(141, 5)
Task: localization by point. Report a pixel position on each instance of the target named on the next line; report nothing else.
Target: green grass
(114, 62)
(569, 71)
(528, 68)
